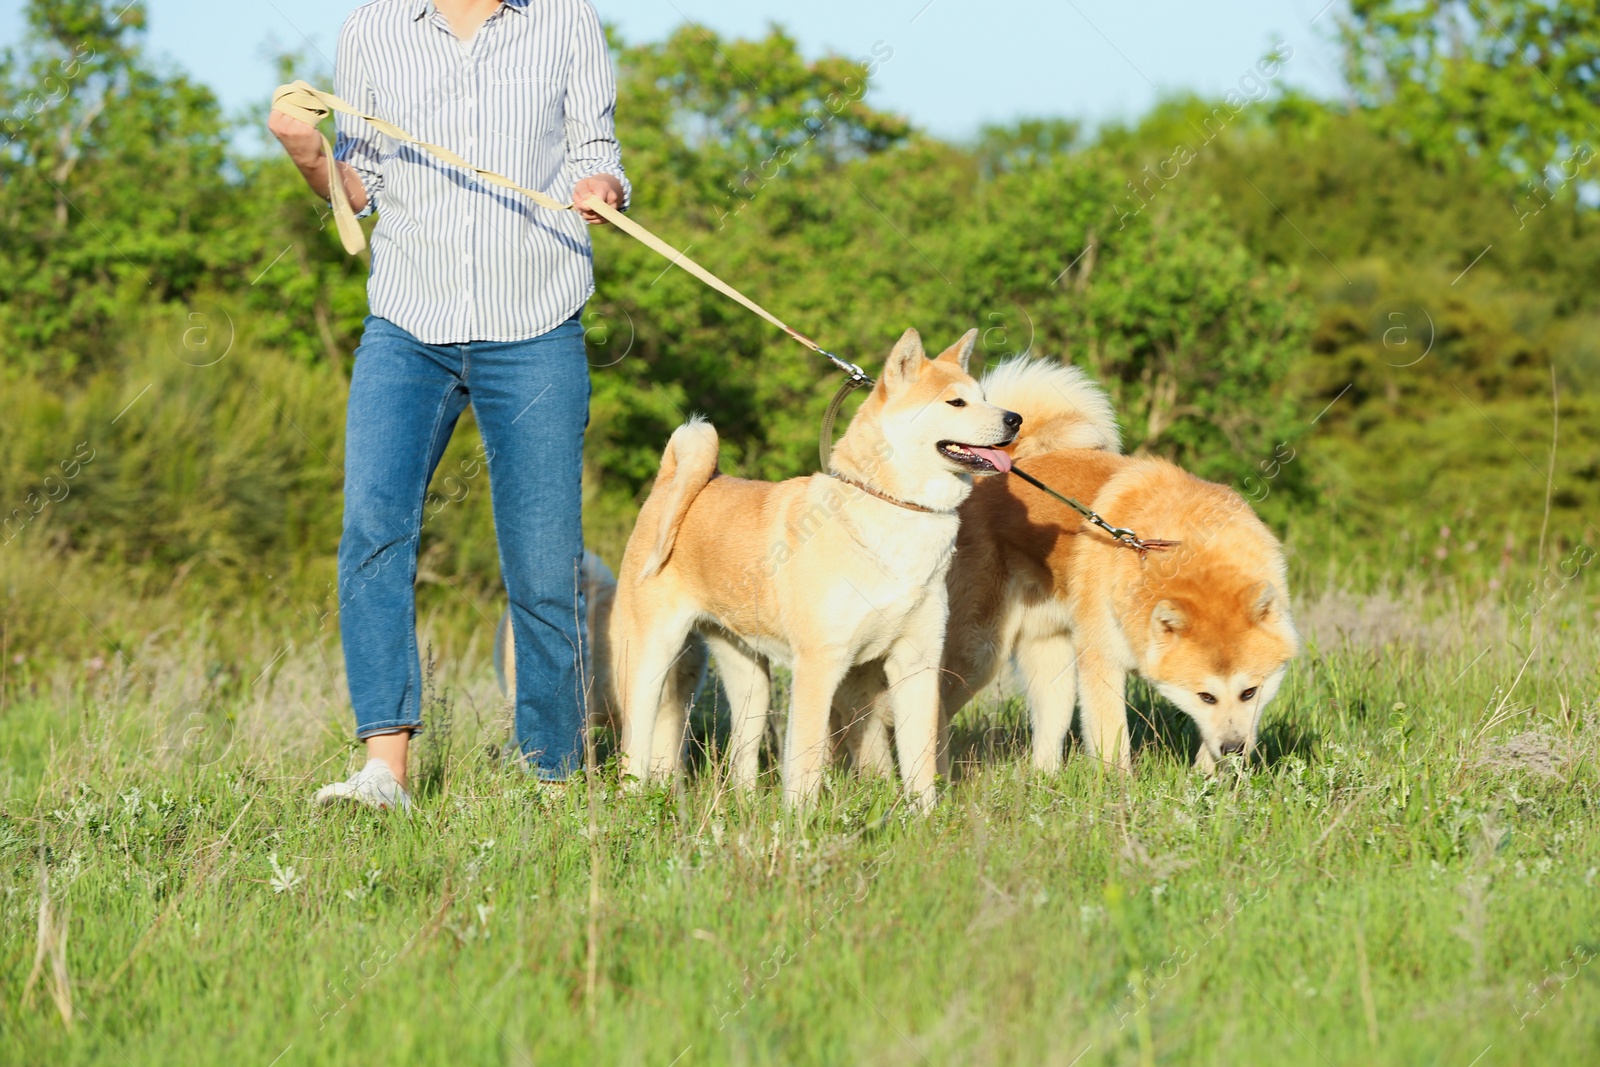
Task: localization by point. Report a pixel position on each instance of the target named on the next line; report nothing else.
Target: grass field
(1410, 875)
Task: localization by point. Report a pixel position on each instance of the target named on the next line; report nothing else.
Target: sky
(956, 65)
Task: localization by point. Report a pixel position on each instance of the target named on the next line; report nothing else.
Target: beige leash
(300, 100)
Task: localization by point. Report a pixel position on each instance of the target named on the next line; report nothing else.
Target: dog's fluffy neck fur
(864, 455)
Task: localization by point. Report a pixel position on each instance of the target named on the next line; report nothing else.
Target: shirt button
(469, 101)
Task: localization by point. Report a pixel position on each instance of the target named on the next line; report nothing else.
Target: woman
(474, 296)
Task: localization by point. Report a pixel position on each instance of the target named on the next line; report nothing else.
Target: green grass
(1411, 875)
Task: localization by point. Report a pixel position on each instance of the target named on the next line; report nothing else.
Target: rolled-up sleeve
(358, 144)
(591, 105)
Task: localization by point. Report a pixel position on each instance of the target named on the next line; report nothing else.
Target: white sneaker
(373, 785)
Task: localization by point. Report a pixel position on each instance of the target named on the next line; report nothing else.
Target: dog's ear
(1167, 620)
(960, 353)
(1266, 600)
(905, 362)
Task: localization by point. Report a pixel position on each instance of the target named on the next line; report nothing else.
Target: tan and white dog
(826, 573)
(1207, 622)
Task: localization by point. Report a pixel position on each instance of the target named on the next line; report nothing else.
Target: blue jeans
(531, 401)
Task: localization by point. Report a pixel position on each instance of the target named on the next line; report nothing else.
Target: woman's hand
(305, 146)
(606, 187)
(300, 139)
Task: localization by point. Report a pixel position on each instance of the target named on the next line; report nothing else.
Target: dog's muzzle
(980, 459)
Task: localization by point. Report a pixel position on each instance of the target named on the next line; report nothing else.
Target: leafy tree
(1514, 82)
(113, 178)
(1443, 307)
(1001, 148)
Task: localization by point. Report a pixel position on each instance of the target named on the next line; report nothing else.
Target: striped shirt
(531, 97)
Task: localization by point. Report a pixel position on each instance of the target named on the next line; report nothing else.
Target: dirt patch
(1385, 619)
(1534, 752)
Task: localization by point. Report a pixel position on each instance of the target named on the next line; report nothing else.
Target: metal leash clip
(1131, 539)
(857, 375)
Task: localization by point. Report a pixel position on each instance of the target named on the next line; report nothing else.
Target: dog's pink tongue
(1000, 460)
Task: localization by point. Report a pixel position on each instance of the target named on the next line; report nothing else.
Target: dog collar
(896, 501)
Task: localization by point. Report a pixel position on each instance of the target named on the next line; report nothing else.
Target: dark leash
(855, 378)
(1121, 534)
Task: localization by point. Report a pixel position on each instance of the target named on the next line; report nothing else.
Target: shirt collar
(420, 8)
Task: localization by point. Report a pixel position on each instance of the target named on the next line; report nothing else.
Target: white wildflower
(284, 879)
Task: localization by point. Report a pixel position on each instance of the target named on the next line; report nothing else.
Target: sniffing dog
(826, 573)
(1206, 622)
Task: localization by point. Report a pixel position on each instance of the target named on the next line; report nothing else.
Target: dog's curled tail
(1060, 405)
(689, 462)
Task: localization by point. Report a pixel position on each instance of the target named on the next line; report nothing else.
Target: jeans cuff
(391, 726)
(530, 766)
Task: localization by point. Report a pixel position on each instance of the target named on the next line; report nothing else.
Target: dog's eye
(1248, 693)
(957, 403)
(1208, 698)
